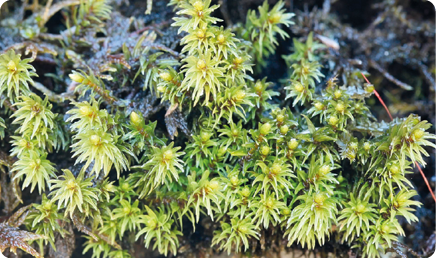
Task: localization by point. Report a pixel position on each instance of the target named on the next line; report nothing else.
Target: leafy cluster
(250, 168)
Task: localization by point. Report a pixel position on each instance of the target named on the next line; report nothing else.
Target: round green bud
(198, 6)
(269, 203)
(415, 120)
(280, 118)
(418, 134)
(337, 94)
(166, 76)
(201, 64)
(214, 185)
(286, 211)
(12, 67)
(222, 151)
(238, 60)
(85, 111)
(340, 107)
(319, 198)
(221, 39)
(402, 199)
(200, 34)
(394, 169)
(243, 229)
(75, 77)
(369, 88)
(275, 168)
(319, 106)
(366, 146)
(293, 144)
(333, 120)
(126, 210)
(385, 228)
(205, 136)
(151, 223)
(125, 186)
(299, 87)
(135, 119)
(264, 150)
(71, 184)
(341, 178)
(47, 206)
(360, 208)
(240, 95)
(168, 155)
(265, 128)
(95, 140)
(275, 18)
(284, 129)
(324, 170)
(258, 86)
(245, 192)
(234, 180)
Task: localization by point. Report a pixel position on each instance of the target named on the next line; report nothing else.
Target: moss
(249, 163)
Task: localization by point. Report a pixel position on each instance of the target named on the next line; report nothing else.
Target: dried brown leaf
(13, 238)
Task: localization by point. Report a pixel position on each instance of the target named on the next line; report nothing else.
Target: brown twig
(388, 76)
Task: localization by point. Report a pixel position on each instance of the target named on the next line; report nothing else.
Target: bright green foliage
(245, 157)
(357, 215)
(45, 220)
(158, 227)
(15, 75)
(379, 237)
(36, 169)
(232, 235)
(312, 218)
(74, 193)
(203, 73)
(162, 166)
(99, 148)
(127, 216)
(261, 29)
(266, 209)
(87, 115)
(305, 50)
(35, 117)
(2, 128)
(204, 194)
(93, 11)
(274, 176)
(94, 143)
(141, 136)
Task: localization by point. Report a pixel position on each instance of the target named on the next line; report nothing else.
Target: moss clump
(318, 169)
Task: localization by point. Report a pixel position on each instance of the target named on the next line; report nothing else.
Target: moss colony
(306, 167)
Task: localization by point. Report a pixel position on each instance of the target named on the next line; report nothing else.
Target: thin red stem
(379, 98)
(416, 163)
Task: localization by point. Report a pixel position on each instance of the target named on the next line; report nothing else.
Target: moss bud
(166, 76)
(201, 64)
(293, 144)
(265, 128)
(418, 134)
(264, 150)
(95, 140)
(284, 129)
(135, 119)
(333, 121)
(75, 77)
